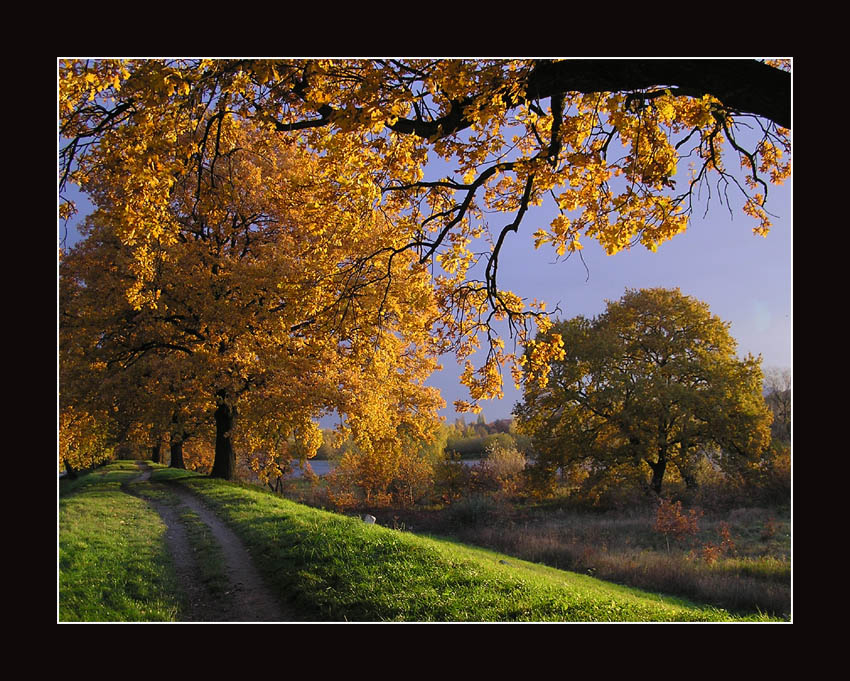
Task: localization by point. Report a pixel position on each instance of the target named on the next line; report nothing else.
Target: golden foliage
(275, 225)
(83, 439)
(609, 159)
(273, 293)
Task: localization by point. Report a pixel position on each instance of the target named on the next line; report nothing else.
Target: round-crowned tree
(602, 143)
(651, 384)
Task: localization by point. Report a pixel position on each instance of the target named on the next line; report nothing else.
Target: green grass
(207, 553)
(113, 562)
(755, 576)
(334, 568)
(114, 566)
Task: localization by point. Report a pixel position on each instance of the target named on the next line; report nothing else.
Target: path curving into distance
(247, 598)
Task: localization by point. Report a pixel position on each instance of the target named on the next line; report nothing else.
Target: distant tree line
(468, 440)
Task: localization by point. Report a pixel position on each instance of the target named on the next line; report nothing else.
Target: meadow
(736, 555)
(324, 566)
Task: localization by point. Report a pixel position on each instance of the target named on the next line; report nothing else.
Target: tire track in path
(247, 599)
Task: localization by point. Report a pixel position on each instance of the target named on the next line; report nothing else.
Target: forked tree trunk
(224, 465)
(658, 467)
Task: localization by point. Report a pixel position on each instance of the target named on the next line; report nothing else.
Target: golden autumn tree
(118, 360)
(277, 296)
(84, 439)
(651, 383)
(622, 148)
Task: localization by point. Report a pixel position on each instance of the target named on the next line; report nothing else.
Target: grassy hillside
(335, 568)
(113, 561)
(339, 568)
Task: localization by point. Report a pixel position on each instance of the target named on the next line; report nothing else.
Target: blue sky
(745, 279)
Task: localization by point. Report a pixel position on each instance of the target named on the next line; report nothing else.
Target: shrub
(379, 479)
(671, 521)
(308, 474)
(770, 529)
(413, 481)
(452, 478)
(505, 462)
(503, 467)
(711, 552)
(474, 509)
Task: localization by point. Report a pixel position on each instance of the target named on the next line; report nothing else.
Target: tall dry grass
(627, 549)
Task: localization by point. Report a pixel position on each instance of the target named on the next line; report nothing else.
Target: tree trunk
(176, 447)
(70, 472)
(156, 452)
(224, 465)
(658, 469)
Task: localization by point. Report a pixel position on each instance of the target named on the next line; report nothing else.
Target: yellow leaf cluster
(310, 169)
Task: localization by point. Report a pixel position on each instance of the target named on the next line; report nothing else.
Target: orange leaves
(486, 382)
(83, 82)
(270, 268)
(754, 207)
(458, 259)
(672, 522)
(538, 358)
(335, 154)
(563, 236)
(83, 438)
(771, 160)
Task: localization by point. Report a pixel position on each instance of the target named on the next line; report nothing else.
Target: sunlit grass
(113, 562)
(627, 549)
(335, 568)
(114, 565)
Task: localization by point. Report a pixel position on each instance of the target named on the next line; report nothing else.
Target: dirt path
(247, 599)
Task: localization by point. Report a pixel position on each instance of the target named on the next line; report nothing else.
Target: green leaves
(652, 380)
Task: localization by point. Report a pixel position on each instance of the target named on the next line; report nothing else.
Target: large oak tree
(260, 309)
(652, 382)
(622, 148)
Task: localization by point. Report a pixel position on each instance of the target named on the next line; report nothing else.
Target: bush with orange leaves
(84, 440)
(712, 552)
(671, 521)
(379, 480)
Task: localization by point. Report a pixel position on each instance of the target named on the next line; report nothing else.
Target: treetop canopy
(621, 149)
(651, 382)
